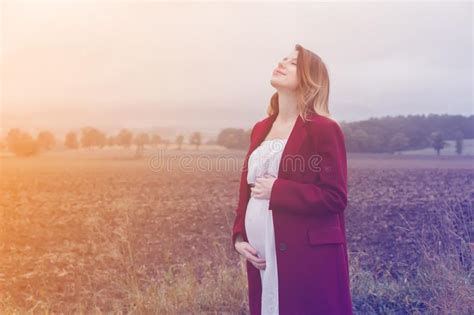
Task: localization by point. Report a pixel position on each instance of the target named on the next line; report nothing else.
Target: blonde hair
(313, 88)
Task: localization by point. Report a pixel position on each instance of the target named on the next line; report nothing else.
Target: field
(101, 231)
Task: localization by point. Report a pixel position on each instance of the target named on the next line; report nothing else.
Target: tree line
(386, 134)
(375, 135)
(22, 143)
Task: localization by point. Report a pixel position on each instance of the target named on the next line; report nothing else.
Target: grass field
(101, 231)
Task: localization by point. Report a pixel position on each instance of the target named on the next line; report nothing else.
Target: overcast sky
(207, 66)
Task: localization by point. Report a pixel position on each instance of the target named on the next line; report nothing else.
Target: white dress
(265, 159)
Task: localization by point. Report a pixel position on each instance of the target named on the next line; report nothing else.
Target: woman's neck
(287, 110)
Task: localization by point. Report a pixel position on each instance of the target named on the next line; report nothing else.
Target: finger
(261, 267)
(258, 195)
(252, 250)
(252, 192)
(258, 265)
(261, 264)
(255, 259)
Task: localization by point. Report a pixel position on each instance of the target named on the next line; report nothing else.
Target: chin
(277, 84)
(275, 81)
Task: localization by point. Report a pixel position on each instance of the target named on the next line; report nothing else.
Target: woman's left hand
(263, 187)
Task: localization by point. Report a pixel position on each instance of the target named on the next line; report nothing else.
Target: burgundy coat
(308, 200)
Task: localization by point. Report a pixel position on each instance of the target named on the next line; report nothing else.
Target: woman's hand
(263, 187)
(246, 250)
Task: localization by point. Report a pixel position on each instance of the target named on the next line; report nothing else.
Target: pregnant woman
(289, 223)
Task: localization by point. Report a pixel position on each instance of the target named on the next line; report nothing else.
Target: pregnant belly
(257, 219)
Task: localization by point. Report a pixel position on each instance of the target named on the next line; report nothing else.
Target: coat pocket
(325, 235)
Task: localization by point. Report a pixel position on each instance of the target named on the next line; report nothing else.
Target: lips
(280, 72)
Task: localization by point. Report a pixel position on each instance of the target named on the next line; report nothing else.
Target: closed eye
(293, 63)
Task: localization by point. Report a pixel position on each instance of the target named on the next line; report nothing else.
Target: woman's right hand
(246, 250)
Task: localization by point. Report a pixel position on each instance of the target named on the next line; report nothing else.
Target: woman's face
(284, 75)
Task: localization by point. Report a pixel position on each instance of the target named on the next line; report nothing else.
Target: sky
(205, 66)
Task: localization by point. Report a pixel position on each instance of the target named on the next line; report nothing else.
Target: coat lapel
(296, 138)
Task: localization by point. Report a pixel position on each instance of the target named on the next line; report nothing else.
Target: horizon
(173, 131)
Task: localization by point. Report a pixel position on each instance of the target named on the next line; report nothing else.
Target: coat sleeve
(329, 195)
(244, 195)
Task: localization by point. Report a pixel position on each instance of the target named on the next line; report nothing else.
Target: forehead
(293, 54)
